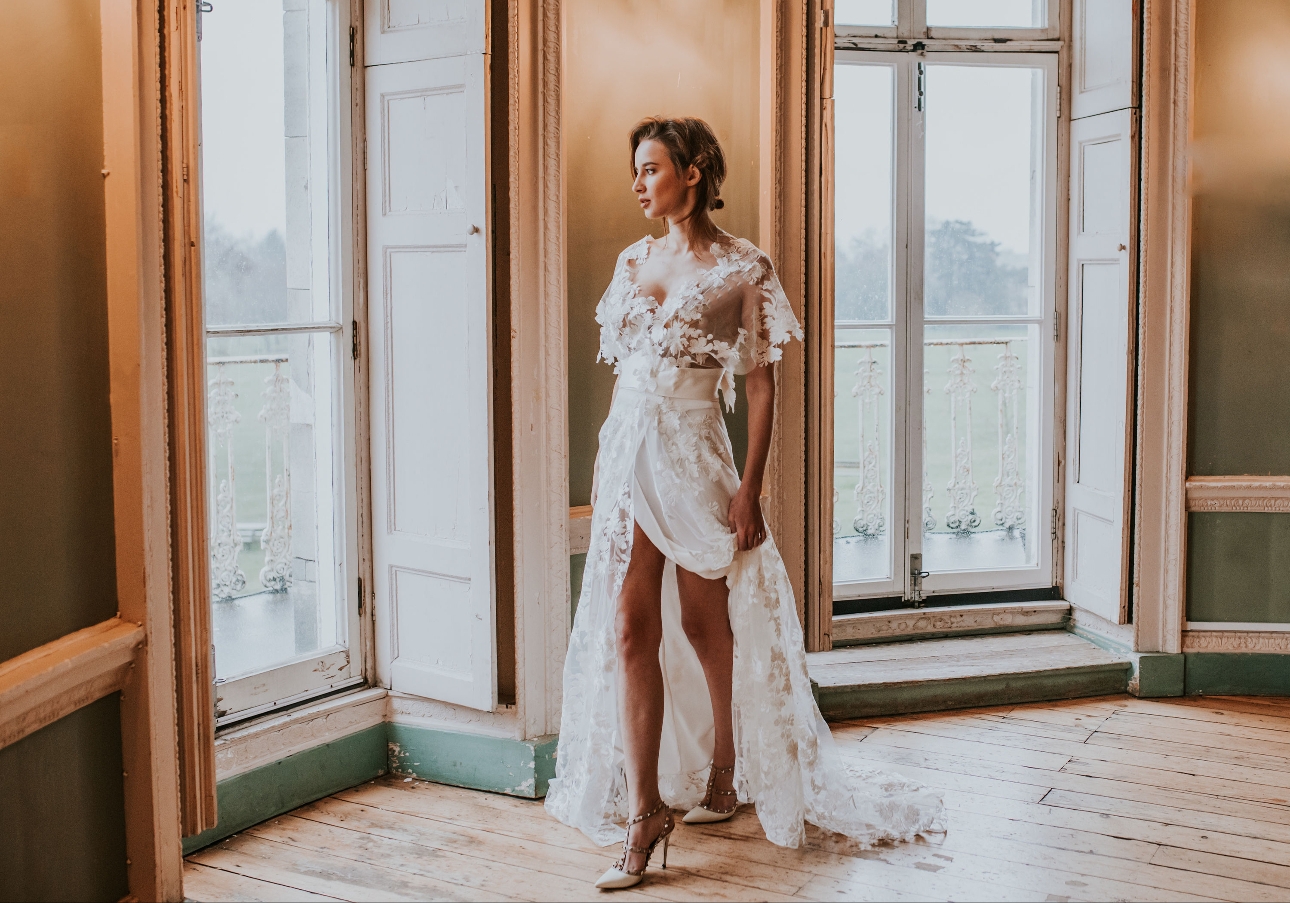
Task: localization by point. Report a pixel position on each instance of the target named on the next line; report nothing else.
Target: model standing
(685, 683)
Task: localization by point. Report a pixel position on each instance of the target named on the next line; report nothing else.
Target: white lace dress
(665, 462)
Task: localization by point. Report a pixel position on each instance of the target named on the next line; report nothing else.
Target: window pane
(987, 13)
(862, 489)
(862, 423)
(863, 105)
(865, 12)
(980, 448)
(275, 526)
(265, 166)
(984, 191)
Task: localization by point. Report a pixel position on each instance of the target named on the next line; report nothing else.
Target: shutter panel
(430, 327)
(1099, 384)
(1105, 57)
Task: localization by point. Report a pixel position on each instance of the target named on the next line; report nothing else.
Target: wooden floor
(1103, 799)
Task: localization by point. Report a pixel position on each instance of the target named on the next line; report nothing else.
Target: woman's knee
(705, 629)
(637, 632)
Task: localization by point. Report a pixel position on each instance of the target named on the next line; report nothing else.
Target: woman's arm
(745, 517)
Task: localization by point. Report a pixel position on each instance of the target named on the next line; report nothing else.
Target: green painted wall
(62, 836)
(1239, 417)
(624, 60)
(61, 807)
(1238, 567)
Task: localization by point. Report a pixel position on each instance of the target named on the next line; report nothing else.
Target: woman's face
(660, 188)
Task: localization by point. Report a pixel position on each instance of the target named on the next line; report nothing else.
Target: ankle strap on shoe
(723, 770)
(655, 811)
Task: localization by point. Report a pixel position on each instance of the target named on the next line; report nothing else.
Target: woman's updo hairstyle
(690, 142)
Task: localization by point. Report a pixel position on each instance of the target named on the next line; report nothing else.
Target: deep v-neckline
(688, 285)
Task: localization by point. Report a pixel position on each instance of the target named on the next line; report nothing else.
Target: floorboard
(1091, 799)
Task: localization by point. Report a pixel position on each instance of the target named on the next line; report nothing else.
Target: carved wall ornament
(1236, 641)
(1239, 494)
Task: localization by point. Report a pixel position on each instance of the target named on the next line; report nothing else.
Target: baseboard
(515, 767)
(1155, 675)
(1237, 674)
(251, 797)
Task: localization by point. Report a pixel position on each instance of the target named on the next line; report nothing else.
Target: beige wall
(61, 796)
(624, 60)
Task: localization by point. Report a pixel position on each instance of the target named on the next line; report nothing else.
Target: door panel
(430, 328)
(402, 31)
(1099, 360)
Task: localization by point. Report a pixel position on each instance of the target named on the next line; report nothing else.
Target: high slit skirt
(665, 463)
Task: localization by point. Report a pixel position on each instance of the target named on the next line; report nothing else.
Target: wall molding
(51, 681)
(1239, 494)
(1164, 264)
(1236, 641)
(134, 225)
(539, 378)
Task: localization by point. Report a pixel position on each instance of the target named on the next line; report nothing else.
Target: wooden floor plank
(1275, 875)
(346, 879)
(201, 882)
(1109, 798)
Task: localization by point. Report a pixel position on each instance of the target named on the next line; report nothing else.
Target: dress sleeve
(610, 315)
(768, 319)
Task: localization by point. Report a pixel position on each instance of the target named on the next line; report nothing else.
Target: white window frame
(907, 356)
(341, 665)
(911, 25)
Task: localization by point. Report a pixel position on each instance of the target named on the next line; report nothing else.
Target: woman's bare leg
(705, 615)
(639, 632)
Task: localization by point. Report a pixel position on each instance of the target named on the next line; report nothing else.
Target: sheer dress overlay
(665, 462)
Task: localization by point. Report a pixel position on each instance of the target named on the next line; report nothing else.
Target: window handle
(472, 229)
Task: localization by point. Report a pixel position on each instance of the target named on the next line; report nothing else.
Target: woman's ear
(692, 176)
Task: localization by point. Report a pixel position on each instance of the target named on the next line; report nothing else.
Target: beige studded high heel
(706, 813)
(617, 877)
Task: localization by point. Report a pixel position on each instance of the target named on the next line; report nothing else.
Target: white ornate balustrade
(228, 580)
(959, 512)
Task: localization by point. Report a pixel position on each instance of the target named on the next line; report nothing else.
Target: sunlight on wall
(624, 60)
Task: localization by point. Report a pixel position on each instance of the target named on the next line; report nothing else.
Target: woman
(683, 586)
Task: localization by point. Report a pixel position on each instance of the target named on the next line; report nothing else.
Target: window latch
(916, 575)
(920, 97)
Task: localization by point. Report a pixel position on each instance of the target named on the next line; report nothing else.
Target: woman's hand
(745, 519)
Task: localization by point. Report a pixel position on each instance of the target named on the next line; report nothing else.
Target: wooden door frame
(135, 239)
(1160, 518)
(539, 345)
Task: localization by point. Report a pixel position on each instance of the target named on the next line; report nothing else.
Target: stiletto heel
(704, 813)
(617, 877)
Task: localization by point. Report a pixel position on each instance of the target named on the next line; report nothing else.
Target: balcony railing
(958, 508)
(228, 534)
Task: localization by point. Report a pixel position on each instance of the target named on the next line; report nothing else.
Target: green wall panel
(1240, 279)
(1238, 567)
(62, 831)
(1240, 335)
(1237, 674)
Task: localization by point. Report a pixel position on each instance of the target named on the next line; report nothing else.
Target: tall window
(279, 369)
(945, 240)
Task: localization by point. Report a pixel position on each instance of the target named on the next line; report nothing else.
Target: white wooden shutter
(1099, 387)
(1104, 57)
(430, 328)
